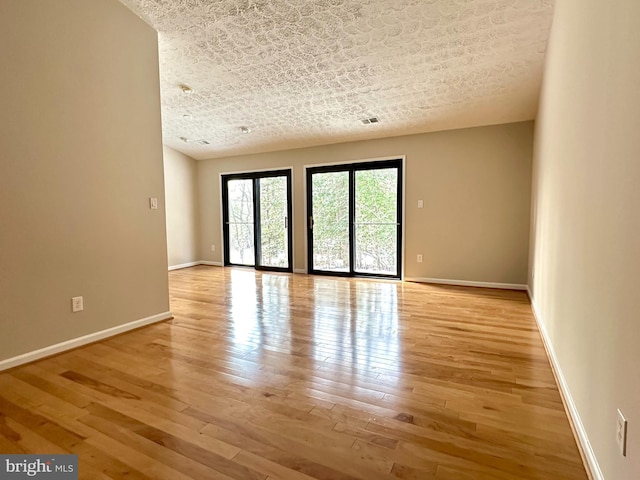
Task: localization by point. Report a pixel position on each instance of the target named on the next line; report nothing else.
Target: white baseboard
(78, 342)
(466, 283)
(588, 455)
(195, 264)
(213, 264)
(183, 265)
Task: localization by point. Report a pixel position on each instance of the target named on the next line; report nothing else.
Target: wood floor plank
(255, 442)
(272, 376)
(162, 455)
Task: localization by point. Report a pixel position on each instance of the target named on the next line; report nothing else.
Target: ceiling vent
(370, 120)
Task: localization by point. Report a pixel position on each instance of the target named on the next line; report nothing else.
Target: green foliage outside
(331, 221)
(240, 193)
(273, 217)
(376, 221)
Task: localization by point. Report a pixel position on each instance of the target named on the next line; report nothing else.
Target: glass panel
(376, 249)
(240, 194)
(273, 242)
(376, 216)
(330, 204)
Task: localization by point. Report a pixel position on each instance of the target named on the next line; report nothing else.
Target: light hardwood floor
(278, 376)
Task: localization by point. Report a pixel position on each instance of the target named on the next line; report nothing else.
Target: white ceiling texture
(298, 73)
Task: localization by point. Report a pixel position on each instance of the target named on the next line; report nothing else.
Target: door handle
(286, 222)
(310, 223)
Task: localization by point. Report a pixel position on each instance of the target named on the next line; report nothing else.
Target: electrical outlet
(213, 247)
(621, 433)
(419, 259)
(77, 304)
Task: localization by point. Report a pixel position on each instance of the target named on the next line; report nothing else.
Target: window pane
(241, 250)
(331, 221)
(273, 222)
(377, 196)
(376, 249)
(376, 215)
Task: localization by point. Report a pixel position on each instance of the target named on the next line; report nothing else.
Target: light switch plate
(153, 203)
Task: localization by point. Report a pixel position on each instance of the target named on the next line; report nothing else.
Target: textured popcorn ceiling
(305, 72)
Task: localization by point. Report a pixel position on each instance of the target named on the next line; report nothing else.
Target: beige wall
(585, 221)
(81, 155)
(181, 193)
(475, 184)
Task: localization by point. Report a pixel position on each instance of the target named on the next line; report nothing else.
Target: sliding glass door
(256, 218)
(354, 214)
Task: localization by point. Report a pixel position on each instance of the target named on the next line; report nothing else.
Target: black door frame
(255, 177)
(352, 168)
